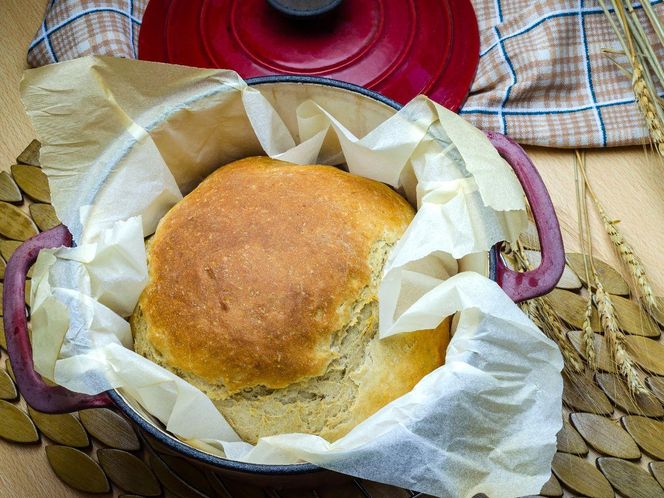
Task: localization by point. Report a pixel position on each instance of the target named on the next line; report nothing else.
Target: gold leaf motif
(15, 224)
(657, 470)
(648, 434)
(638, 403)
(128, 472)
(9, 191)
(658, 313)
(3, 339)
(32, 181)
(7, 248)
(605, 435)
(7, 387)
(629, 479)
(44, 216)
(602, 356)
(581, 393)
(110, 428)
(8, 369)
(77, 469)
(30, 155)
(581, 476)
(656, 386)
(61, 428)
(571, 308)
(633, 319)
(647, 353)
(15, 425)
(551, 487)
(613, 281)
(570, 441)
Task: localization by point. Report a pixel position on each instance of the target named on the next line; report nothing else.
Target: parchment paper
(123, 140)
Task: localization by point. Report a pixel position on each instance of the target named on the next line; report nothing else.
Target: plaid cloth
(75, 28)
(542, 77)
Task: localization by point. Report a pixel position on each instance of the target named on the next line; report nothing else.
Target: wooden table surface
(630, 183)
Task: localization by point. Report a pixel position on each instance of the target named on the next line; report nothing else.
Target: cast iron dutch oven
(284, 92)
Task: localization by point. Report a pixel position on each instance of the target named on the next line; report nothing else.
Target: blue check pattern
(75, 28)
(544, 77)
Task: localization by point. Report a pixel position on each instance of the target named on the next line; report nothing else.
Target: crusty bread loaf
(263, 294)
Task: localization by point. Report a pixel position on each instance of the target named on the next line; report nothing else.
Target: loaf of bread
(262, 293)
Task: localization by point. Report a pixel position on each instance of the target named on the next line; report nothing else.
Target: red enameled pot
(399, 49)
(284, 92)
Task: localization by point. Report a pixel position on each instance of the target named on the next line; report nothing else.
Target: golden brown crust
(263, 294)
(391, 369)
(253, 272)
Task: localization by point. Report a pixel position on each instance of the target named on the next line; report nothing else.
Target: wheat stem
(654, 21)
(615, 339)
(587, 334)
(623, 69)
(636, 31)
(541, 312)
(552, 326)
(647, 106)
(622, 246)
(614, 26)
(631, 260)
(642, 84)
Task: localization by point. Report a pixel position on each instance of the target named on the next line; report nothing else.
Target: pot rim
(225, 463)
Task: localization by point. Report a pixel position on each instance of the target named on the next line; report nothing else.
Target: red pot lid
(399, 49)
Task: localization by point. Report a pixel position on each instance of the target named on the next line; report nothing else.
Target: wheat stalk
(588, 336)
(644, 62)
(615, 339)
(631, 260)
(624, 249)
(553, 327)
(647, 106)
(644, 48)
(541, 312)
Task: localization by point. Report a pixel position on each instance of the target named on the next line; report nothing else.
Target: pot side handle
(39, 395)
(521, 286)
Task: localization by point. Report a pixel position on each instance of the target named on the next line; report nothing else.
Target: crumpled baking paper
(123, 140)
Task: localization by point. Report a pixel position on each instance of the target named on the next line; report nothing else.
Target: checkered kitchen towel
(542, 77)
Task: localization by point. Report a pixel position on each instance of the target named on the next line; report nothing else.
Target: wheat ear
(540, 311)
(542, 315)
(629, 32)
(631, 260)
(647, 106)
(623, 247)
(554, 328)
(615, 339)
(588, 335)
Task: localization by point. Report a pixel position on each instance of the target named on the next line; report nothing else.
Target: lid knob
(304, 8)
